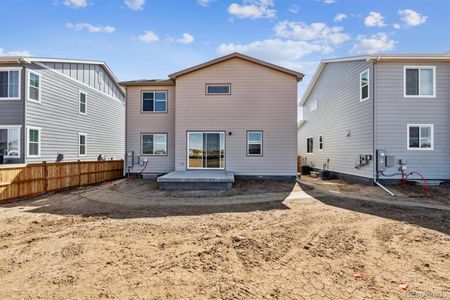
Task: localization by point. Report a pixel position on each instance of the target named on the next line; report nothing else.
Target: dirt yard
(261, 240)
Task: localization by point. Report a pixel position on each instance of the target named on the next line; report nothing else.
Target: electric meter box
(381, 160)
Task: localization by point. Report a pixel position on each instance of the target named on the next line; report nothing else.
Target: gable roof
(374, 58)
(29, 59)
(298, 75)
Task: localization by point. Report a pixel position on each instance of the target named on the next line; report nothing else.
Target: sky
(149, 39)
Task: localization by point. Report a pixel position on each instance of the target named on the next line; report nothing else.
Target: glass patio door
(206, 150)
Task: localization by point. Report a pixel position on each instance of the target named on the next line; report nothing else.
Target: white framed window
(364, 85)
(10, 141)
(320, 142)
(420, 136)
(82, 144)
(310, 145)
(154, 101)
(313, 105)
(218, 89)
(154, 144)
(255, 143)
(419, 82)
(82, 100)
(34, 86)
(34, 141)
(10, 83)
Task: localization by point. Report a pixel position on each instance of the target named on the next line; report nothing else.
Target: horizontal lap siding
(60, 121)
(261, 99)
(138, 123)
(339, 110)
(394, 112)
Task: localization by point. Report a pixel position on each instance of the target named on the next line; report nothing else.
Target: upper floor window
(420, 82)
(9, 84)
(154, 144)
(34, 86)
(420, 137)
(364, 85)
(255, 143)
(82, 103)
(154, 101)
(10, 141)
(313, 105)
(310, 145)
(218, 89)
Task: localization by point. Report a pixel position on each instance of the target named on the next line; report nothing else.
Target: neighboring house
(52, 106)
(234, 113)
(397, 103)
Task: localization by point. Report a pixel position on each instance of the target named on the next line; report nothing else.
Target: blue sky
(153, 38)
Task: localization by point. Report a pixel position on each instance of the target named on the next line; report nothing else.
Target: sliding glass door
(206, 150)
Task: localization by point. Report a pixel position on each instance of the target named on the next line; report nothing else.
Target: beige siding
(138, 122)
(261, 99)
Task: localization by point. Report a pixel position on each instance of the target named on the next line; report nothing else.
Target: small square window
(420, 137)
(154, 144)
(419, 82)
(154, 101)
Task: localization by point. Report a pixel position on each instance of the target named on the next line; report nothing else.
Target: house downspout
(376, 177)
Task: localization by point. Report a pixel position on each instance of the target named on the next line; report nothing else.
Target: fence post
(45, 176)
(79, 172)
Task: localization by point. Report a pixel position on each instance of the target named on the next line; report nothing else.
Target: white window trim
(187, 150)
(154, 101)
(318, 139)
(20, 137)
(218, 84)
(151, 133)
(85, 144)
(28, 86)
(361, 87)
(79, 102)
(309, 137)
(19, 82)
(255, 143)
(420, 126)
(39, 129)
(419, 67)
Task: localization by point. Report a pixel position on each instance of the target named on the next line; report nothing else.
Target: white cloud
(91, 28)
(397, 26)
(294, 9)
(76, 3)
(253, 9)
(374, 19)
(340, 17)
(411, 18)
(186, 39)
(329, 1)
(319, 32)
(376, 43)
(148, 37)
(205, 2)
(275, 50)
(14, 53)
(135, 4)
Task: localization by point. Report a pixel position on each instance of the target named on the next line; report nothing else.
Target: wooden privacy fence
(40, 178)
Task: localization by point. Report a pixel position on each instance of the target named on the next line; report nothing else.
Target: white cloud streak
(76, 3)
(253, 9)
(340, 17)
(14, 53)
(148, 37)
(318, 32)
(135, 4)
(411, 18)
(374, 19)
(372, 44)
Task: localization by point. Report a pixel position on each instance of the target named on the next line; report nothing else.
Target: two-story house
(369, 118)
(59, 109)
(234, 114)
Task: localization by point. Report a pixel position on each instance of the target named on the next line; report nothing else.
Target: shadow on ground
(142, 199)
(434, 219)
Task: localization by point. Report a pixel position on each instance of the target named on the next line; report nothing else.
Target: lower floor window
(320, 142)
(154, 144)
(34, 141)
(420, 136)
(10, 141)
(254, 143)
(310, 145)
(82, 144)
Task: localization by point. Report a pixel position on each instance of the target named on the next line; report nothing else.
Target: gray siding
(12, 112)
(394, 112)
(339, 110)
(58, 116)
(92, 75)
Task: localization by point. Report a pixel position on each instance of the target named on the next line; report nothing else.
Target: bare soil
(261, 240)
